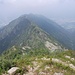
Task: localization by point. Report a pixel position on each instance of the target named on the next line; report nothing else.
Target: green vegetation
(15, 58)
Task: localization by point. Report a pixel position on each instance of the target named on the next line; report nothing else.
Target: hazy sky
(11, 9)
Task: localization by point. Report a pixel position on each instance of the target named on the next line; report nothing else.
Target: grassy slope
(22, 59)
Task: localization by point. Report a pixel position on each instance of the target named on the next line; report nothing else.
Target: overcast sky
(11, 9)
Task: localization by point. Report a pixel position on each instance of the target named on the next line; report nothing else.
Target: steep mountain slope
(52, 28)
(25, 34)
(29, 43)
(70, 27)
(72, 35)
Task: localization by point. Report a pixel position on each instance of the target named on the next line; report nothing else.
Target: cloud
(7, 1)
(10, 9)
(34, 2)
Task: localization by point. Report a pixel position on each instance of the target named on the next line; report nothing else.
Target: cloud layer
(10, 9)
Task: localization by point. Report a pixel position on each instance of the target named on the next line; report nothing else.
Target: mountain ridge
(54, 30)
(26, 44)
(18, 26)
(25, 31)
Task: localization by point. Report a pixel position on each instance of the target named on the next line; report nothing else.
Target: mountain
(70, 26)
(73, 39)
(16, 61)
(33, 44)
(26, 34)
(52, 28)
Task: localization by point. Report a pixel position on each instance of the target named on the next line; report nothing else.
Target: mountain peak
(21, 29)
(23, 32)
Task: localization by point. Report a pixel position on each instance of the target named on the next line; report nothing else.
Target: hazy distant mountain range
(70, 26)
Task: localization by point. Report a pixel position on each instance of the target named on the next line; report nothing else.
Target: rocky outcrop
(51, 46)
(58, 74)
(13, 70)
(68, 57)
(63, 63)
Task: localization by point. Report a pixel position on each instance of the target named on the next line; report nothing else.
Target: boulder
(13, 70)
(58, 74)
